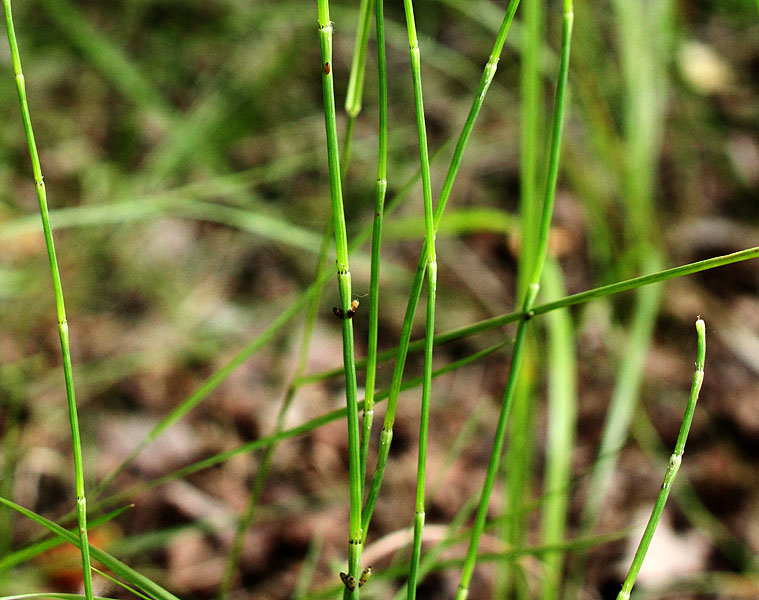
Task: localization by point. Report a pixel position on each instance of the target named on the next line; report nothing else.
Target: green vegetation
(201, 186)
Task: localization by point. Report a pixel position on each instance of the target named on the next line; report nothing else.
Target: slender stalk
(674, 465)
(379, 208)
(530, 295)
(416, 286)
(344, 285)
(431, 264)
(352, 107)
(63, 328)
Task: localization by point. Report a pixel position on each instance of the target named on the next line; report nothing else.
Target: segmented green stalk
(63, 328)
(672, 468)
(344, 285)
(431, 264)
(352, 107)
(531, 293)
(379, 209)
(416, 286)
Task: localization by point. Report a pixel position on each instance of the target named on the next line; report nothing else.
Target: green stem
(344, 285)
(672, 468)
(379, 208)
(431, 263)
(63, 328)
(416, 286)
(531, 293)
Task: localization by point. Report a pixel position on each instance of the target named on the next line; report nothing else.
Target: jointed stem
(344, 284)
(379, 208)
(416, 286)
(63, 328)
(672, 468)
(431, 264)
(531, 294)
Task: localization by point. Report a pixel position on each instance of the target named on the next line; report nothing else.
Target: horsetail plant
(416, 287)
(530, 295)
(344, 285)
(431, 266)
(63, 328)
(352, 108)
(674, 465)
(379, 208)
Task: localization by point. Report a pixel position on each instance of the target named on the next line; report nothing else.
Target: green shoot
(63, 327)
(674, 465)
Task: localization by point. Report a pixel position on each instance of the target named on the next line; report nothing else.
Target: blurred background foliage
(183, 151)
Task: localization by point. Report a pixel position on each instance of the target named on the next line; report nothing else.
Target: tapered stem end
(701, 330)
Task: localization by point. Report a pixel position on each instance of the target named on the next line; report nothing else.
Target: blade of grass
(344, 285)
(308, 568)
(50, 596)
(672, 468)
(354, 93)
(12, 559)
(562, 416)
(518, 467)
(63, 328)
(115, 565)
(121, 584)
(530, 295)
(727, 542)
(416, 286)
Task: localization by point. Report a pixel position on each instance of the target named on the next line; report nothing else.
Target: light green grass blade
(23, 555)
(560, 435)
(115, 565)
